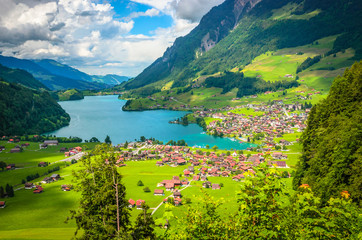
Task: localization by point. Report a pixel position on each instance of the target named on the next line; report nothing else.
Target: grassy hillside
(71, 94)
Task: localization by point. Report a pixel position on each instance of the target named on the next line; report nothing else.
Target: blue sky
(97, 36)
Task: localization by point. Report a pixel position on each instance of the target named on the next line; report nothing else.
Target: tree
(103, 211)
(207, 146)
(142, 139)
(215, 148)
(108, 140)
(140, 183)
(2, 165)
(11, 192)
(146, 189)
(144, 228)
(2, 192)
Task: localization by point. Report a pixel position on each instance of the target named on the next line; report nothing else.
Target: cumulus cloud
(193, 10)
(87, 34)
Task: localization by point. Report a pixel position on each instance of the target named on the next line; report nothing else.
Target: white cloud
(87, 35)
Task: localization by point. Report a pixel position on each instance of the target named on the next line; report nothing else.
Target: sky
(97, 36)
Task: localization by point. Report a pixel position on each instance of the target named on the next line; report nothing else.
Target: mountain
(62, 70)
(27, 111)
(110, 79)
(20, 76)
(234, 33)
(49, 79)
(332, 144)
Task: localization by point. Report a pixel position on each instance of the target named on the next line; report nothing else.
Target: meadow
(42, 216)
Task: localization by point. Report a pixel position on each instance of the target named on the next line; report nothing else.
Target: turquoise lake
(99, 116)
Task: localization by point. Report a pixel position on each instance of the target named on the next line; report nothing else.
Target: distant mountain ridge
(20, 76)
(58, 76)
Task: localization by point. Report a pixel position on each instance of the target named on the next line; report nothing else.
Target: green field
(42, 216)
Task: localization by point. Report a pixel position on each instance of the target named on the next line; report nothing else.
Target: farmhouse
(131, 203)
(177, 194)
(66, 188)
(55, 177)
(158, 192)
(42, 164)
(139, 203)
(15, 150)
(29, 185)
(38, 189)
(280, 164)
(47, 180)
(11, 166)
(2, 204)
(215, 186)
(51, 142)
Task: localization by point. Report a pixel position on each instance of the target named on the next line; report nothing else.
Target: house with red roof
(131, 203)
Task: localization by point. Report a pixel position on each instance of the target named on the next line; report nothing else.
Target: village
(261, 125)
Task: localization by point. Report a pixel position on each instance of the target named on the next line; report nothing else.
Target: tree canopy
(332, 143)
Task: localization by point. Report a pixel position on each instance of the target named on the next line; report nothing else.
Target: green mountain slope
(20, 76)
(26, 111)
(332, 143)
(236, 39)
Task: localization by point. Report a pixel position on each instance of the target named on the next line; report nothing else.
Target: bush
(146, 189)
(188, 200)
(140, 183)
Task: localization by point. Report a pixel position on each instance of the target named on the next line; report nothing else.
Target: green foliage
(332, 145)
(144, 227)
(94, 139)
(20, 76)
(102, 211)
(26, 111)
(268, 209)
(9, 190)
(68, 95)
(146, 189)
(140, 183)
(108, 140)
(246, 86)
(308, 62)
(2, 192)
(3, 165)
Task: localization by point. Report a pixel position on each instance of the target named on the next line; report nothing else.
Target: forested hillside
(26, 111)
(20, 76)
(234, 33)
(332, 144)
(49, 79)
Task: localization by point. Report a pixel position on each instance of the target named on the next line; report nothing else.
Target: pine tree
(108, 140)
(103, 211)
(144, 225)
(2, 192)
(11, 192)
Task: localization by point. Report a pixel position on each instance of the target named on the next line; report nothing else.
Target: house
(43, 146)
(187, 173)
(178, 201)
(277, 155)
(38, 189)
(55, 177)
(159, 163)
(196, 178)
(63, 149)
(177, 194)
(216, 186)
(15, 150)
(29, 185)
(66, 188)
(2, 204)
(51, 142)
(158, 192)
(42, 164)
(280, 164)
(181, 162)
(10, 166)
(2, 148)
(131, 203)
(139, 203)
(78, 149)
(47, 180)
(206, 184)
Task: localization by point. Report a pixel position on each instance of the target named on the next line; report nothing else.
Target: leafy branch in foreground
(269, 210)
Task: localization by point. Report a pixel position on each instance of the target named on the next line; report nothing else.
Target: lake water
(99, 116)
